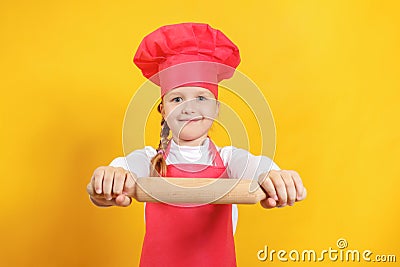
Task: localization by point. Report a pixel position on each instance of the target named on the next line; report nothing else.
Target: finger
(90, 186)
(280, 187)
(98, 180)
(304, 195)
(100, 200)
(290, 188)
(130, 184)
(90, 189)
(268, 203)
(123, 200)
(119, 180)
(298, 183)
(108, 182)
(269, 187)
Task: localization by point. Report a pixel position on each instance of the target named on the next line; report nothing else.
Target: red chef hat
(187, 54)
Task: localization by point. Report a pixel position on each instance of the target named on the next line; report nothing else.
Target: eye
(176, 99)
(202, 98)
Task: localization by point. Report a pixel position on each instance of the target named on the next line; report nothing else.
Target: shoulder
(228, 152)
(147, 151)
(232, 153)
(142, 154)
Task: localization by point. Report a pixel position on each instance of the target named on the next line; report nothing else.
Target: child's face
(189, 112)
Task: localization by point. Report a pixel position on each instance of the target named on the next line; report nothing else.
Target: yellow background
(329, 70)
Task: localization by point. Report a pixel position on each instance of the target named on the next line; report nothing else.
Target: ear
(162, 110)
(217, 109)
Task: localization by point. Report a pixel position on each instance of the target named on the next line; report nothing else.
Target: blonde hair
(158, 164)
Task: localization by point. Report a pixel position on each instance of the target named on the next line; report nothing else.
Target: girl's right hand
(112, 186)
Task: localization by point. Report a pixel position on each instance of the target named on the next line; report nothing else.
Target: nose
(189, 107)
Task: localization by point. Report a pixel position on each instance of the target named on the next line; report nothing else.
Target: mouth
(192, 119)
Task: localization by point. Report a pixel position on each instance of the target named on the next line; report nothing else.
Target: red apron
(190, 236)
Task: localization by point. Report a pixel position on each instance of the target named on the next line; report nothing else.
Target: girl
(187, 61)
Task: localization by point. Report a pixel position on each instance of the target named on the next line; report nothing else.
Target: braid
(158, 164)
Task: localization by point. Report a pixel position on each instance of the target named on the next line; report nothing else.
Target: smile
(192, 120)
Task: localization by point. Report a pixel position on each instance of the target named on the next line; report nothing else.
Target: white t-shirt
(239, 162)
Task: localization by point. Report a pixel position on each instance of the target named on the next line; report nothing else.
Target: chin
(189, 137)
(190, 134)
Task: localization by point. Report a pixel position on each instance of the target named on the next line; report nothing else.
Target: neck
(195, 142)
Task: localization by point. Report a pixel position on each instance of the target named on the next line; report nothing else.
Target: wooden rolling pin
(195, 190)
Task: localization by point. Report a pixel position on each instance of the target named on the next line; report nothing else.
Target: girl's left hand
(283, 187)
